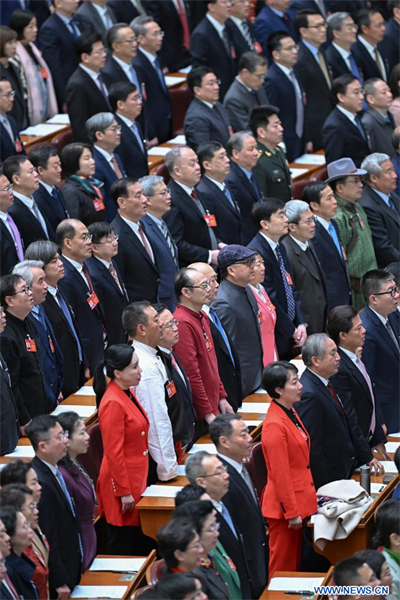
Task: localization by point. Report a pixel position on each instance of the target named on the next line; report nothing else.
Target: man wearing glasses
(10, 140)
(381, 351)
(11, 247)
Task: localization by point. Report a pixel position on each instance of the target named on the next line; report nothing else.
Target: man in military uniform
(355, 233)
(272, 169)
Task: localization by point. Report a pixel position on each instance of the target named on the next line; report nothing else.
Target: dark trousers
(128, 541)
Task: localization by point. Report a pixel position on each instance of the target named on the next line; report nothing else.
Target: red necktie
(145, 242)
(185, 24)
(338, 405)
(12, 588)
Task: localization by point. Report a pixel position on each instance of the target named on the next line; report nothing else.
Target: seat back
(137, 593)
(155, 571)
(91, 461)
(298, 187)
(62, 139)
(162, 171)
(257, 468)
(321, 174)
(180, 100)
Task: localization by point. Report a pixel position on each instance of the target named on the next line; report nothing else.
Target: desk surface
(275, 595)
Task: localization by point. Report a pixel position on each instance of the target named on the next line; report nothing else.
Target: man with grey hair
(333, 455)
(377, 119)
(105, 134)
(191, 225)
(307, 274)
(243, 152)
(382, 206)
(164, 247)
(51, 357)
(343, 33)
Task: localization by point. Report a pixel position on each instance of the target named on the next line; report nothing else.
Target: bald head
(208, 272)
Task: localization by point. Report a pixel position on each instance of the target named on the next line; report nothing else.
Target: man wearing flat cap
(345, 180)
(238, 311)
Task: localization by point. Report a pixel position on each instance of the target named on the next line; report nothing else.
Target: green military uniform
(357, 241)
(272, 173)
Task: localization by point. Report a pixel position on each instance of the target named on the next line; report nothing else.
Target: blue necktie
(64, 488)
(135, 130)
(74, 29)
(58, 204)
(291, 304)
(216, 320)
(354, 69)
(67, 314)
(334, 236)
(228, 519)
(134, 79)
(254, 183)
(360, 127)
(391, 204)
(160, 74)
(229, 196)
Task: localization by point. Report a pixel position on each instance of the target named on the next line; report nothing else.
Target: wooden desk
(30, 140)
(266, 595)
(114, 579)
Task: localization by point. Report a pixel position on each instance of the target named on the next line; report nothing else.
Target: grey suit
(239, 103)
(204, 124)
(379, 130)
(237, 308)
(91, 17)
(309, 281)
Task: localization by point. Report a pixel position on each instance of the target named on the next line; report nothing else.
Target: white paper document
(42, 129)
(392, 446)
(294, 584)
(389, 466)
(254, 407)
(297, 172)
(254, 423)
(395, 435)
(173, 80)
(164, 491)
(310, 159)
(179, 139)
(99, 591)
(203, 448)
(158, 151)
(22, 452)
(83, 411)
(117, 565)
(60, 118)
(85, 390)
(186, 70)
(377, 488)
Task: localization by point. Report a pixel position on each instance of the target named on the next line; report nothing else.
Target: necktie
(338, 405)
(58, 204)
(7, 581)
(228, 519)
(213, 239)
(311, 258)
(108, 22)
(134, 79)
(116, 167)
(64, 488)
(17, 237)
(74, 29)
(217, 322)
(169, 240)
(321, 7)
(40, 218)
(177, 368)
(103, 88)
(363, 370)
(160, 73)
(254, 183)
(247, 34)
(291, 305)
(114, 275)
(8, 128)
(324, 69)
(299, 105)
(334, 236)
(67, 314)
(229, 196)
(138, 5)
(392, 204)
(249, 483)
(225, 39)
(360, 127)
(378, 62)
(392, 334)
(184, 22)
(354, 68)
(145, 242)
(135, 131)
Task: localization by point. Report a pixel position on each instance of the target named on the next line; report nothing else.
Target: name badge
(289, 278)
(51, 344)
(260, 318)
(18, 146)
(344, 253)
(30, 345)
(209, 344)
(257, 47)
(93, 300)
(98, 205)
(43, 72)
(230, 129)
(171, 389)
(210, 220)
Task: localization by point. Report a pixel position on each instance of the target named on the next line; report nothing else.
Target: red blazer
(290, 489)
(124, 468)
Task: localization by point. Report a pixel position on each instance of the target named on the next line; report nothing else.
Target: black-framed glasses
(114, 239)
(172, 323)
(392, 292)
(25, 290)
(319, 26)
(203, 286)
(9, 188)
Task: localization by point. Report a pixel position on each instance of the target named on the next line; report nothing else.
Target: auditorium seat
(155, 571)
(257, 468)
(91, 461)
(321, 174)
(298, 187)
(32, 146)
(137, 593)
(62, 139)
(162, 171)
(180, 99)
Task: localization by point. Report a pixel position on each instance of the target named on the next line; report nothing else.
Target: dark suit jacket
(239, 103)
(124, 10)
(57, 44)
(4, 593)
(204, 124)
(49, 207)
(19, 110)
(273, 283)
(105, 173)
(8, 254)
(91, 323)
(91, 17)
(246, 196)
(332, 454)
(208, 49)
(28, 226)
(9, 423)
(212, 582)
(173, 53)
(158, 101)
(74, 375)
(392, 42)
(381, 359)
(379, 131)
(367, 65)
(319, 101)
(246, 514)
(334, 267)
(267, 22)
(309, 280)
(311, 5)
(341, 138)
(239, 42)
(132, 156)
(281, 93)
(229, 221)
(336, 63)
(20, 569)
(79, 203)
(140, 275)
(167, 266)
(112, 299)
(385, 225)
(7, 146)
(187, 227)
(60, 527)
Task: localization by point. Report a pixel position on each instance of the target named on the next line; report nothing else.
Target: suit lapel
(355, 372)
(189, 202)
(239, 480)
(303, 259)
(383, 332)
(132, 237)
(280, 414)
(393, 214)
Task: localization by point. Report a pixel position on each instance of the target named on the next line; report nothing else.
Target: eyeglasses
(87, 237)
(158, 34)
(218, 473)
(25, 290)
(171, 324)
(248, 263)
(319, 26)
(32, 506)
(203, 286)
(9, 94)
(98, 52)
(163, 193)
(289, 48)
(114, 239)
(115, 128)
(392, 292)
(213, 82)
(197, 546)
(213, 528)
(62, 436)
(9, 188)
(309, 221)
(128, 41)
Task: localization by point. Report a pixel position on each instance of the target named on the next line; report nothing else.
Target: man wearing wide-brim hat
(346, 182)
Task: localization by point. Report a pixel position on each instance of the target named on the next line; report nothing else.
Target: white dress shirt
(135, 228)
(220, 28)
(371, 50)
(79, 268)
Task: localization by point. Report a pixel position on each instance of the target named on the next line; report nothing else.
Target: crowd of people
(183, 293)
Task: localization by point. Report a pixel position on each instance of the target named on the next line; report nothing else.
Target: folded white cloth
(343, 489)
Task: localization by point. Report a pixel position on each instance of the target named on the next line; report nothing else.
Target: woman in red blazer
(289, 496)
(124, 428)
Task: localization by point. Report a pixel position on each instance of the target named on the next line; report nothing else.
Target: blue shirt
(314, 51)
(384, 197)
(277, 12)
(246, 172)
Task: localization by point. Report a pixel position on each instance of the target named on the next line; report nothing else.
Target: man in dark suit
(243, 152)
(216, 194)
(106, 277)
(340, 58)
(173, 18)
(377, 120)
(158, 101)
(231, 437)
(313, 74)
(9, 426)
(56, 40)
(241, 29)
(127, 10)
(381, 350)
(32, 223)
(105, 134)
(49, 197)
(307, 273)
(11, 246)
(290, 328)
(136, 258)
(10, 141)
(368, 51)
(327, 243)
(353, 383)
(285, 92)
(392, 34)
(333, 453)
(211, 44)
(274, 16)
(246, 91)
(61, 316)
(162, 242)
(189, 222)
(58, 519)
(382, 206)
(205, 119)
(322, 6)
(86, 93)
(78, 289)
(98, 15)
(343, 132)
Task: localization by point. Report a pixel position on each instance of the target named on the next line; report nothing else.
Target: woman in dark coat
(8, 49)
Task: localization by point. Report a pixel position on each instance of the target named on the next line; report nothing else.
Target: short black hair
(183, 278)
(188, 493)
(301, 18)
(363, 18)
(176, 585)
(7, 287)
(260, 115)
(195, 77)
(120, 188)
(274, 41)
(387, 522)
(65, 230)
(222, 425)
(12, 166)
(195, 510)
(85, 42)
(14, 494)
(373, 558)
(339, 85)
(340, 319)
(70, 156)
(39, 428)
(371, 282)
(8, 515)
(312, 192)
(250, 61)
(135, 314)
(20, 19)
(346, 571)
(15, 472)
(41, 155)
(275, 375)
(99, 230)
(206, 151)
(120, 91)
(264, 209)
(175, 535)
